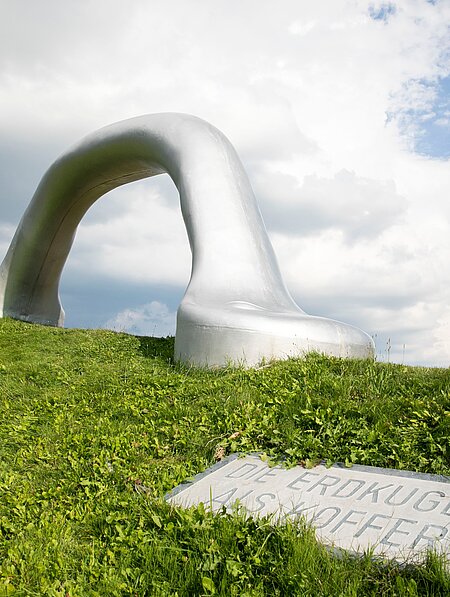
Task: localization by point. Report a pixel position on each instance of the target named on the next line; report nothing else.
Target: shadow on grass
(157, 347)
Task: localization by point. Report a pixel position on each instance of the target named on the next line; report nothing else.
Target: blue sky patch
(382, 12)
(434, 134)
(428, 123)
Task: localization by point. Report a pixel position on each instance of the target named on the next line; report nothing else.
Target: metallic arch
(236, 307)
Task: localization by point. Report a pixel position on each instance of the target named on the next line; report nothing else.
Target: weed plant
(97, 426)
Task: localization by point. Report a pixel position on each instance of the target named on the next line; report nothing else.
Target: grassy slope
(97, 426)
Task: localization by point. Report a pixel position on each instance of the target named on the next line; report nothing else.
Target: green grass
(97, 426)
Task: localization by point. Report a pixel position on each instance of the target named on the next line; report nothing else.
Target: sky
(338, 109)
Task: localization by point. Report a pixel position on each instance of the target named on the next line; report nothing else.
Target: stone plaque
(399, 514)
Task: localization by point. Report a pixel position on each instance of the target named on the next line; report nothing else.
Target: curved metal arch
(236, 307)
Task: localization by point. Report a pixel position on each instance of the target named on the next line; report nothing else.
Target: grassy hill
(96, 427)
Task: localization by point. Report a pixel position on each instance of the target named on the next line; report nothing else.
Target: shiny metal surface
(236, 308)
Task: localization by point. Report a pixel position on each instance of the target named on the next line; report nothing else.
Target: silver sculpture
(236, 308)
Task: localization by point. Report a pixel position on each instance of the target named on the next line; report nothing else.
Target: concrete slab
(399, 514)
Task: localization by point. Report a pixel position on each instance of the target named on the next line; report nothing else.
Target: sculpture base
(250, 337)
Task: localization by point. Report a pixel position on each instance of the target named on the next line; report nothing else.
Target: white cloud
(152, 319)
(444, 122)
(359, 207)
(301, 27)
(6, 234)
(140, 239)
(441, 348)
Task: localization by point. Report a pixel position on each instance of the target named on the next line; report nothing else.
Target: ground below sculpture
(236, 308)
